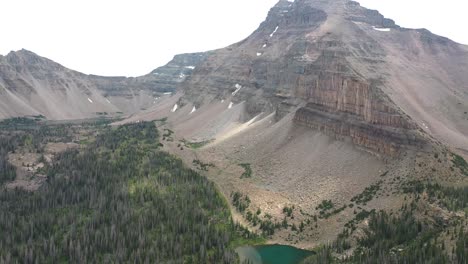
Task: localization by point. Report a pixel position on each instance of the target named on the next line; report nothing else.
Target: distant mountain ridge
(33, 85)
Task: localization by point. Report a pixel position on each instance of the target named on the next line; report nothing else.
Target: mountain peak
(25, 57)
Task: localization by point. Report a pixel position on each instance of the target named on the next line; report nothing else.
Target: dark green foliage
(413, 187)
(358, 218)
(241, 202)
(400, 239)
(325, 205)
(288, 210)
(368, 194)
(30, 138)
(334, 212)
(247, 170)
(197, 145)
(7, 171)
(119, 201)
(17, 122)
(325, 209)
(168, 135)
(202, 166)
(452, 198)
(461, 247)
(323, 255)
(459, 162)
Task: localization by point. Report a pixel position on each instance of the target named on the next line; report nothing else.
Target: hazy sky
(132, 37)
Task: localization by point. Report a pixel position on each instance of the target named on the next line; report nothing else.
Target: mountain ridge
(34, 85)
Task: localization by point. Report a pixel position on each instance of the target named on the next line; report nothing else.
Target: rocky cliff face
(33, 85)
(169, 77)
(326, 62)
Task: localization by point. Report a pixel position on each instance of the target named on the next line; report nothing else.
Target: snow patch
(238, 87)
(107, 100)
(382, 29)
(259, 54)
(264, 45)
(174, 108)
(231, 104)
(291, 1)
(193, 110)
(274, 31)
(167, 93)
(190, 67)
(181, 76)
(222, 101)
(89, 99)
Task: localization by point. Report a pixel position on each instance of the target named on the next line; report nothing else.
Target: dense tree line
(7, 171)
(390, 239)
(30, 137)
(119, 201)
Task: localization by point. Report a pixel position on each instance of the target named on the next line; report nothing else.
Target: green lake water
(272, 254)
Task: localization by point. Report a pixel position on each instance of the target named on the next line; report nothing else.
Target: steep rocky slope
(344, 70)
(33, 85)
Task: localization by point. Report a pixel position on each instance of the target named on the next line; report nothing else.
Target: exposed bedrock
(379, 139)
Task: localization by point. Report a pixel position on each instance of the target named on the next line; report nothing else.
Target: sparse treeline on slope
(119, 201)
(391, 239)
(405, 238)
(25, 133)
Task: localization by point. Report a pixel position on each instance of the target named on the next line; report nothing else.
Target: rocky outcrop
(345, 105)
(259, 63)
(168, 77)
(380, 139)
(372, 17)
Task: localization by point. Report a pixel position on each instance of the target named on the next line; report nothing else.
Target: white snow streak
(190, 67)
(259, 54)
(107, 100)
(382, 29)
(193, 110)
(273, 33)
(264, 45)
(238, 87)
(91, 101)
(230, 105)
(174, 108)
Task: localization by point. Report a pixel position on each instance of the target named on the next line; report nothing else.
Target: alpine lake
(272, 254)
